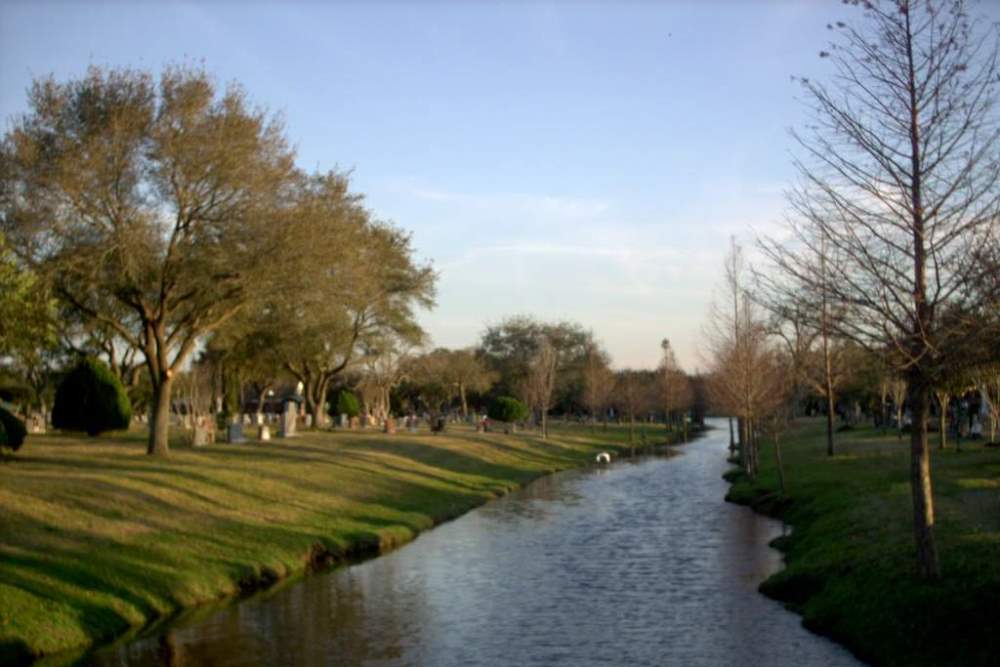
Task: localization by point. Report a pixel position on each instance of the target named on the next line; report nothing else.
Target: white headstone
(343, 420)
(265, 432)
(204, 432)
(307, 421)
(36, 423)
(288, 419)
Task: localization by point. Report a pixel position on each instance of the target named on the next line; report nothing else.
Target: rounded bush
(507, 409)
(12, 431)
(347, 404)
(91, 399)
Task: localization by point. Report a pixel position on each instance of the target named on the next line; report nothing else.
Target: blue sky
(576, 160)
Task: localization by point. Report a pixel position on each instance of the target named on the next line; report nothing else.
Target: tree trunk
(777, 459)
(260, 402)
(732, 439)
(318, 414)
(159, 423)
(920, 485)
(942, 419)
(829, 420)
(885, 414)
(899, 421)
(741, 429)
(545, 424)
(465, 405)
(631, 432)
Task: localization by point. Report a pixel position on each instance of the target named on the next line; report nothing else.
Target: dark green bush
(12, 431)
(347, 404)
(507, 409)
(91, 399)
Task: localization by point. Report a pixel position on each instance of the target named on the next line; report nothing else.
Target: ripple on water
(634, 564)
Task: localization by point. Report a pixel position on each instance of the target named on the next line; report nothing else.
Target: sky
(583, 161)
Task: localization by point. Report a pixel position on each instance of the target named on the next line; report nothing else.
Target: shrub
(507, 409)
(12, 431)
(347, 404)
(91, 399)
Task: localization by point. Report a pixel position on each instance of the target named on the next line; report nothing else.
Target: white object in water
(604, 457)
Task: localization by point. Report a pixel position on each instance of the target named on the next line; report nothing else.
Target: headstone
(265, 433)
(235, 433)
(36, 423)
(246, 420)
(259, 419)
(204, 432)
(414, 423)
(307, 421)
(343, 420)
(288, 420)
(390, 425)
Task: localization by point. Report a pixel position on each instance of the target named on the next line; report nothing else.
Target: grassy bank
(850, 559)
(97, 538)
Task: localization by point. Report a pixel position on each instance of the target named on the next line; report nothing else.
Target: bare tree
(629, 396)
(900, 180)
(674, 386)
(791, 324)
(737, 353)
(541, 380)
(777, 408)
(384, 367)
(598, 381)
(989, 387)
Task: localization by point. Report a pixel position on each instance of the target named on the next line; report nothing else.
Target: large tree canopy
(150, 208)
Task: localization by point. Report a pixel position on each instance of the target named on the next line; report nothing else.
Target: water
(640, 563)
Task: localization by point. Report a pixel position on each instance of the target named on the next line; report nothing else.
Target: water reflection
(630, 565)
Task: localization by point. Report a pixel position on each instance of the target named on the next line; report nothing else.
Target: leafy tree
(12, 431)
(510, 347)
(26, 309)
(456, 372)
(91, 399)
(347, 404)
(363, 285)
(507, 409)
(153, 210)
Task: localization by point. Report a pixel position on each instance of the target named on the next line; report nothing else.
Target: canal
(638, 563)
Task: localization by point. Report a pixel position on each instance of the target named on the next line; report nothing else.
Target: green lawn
(850, 559)
(96, 537)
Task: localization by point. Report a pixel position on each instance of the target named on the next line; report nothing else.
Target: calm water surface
(639, 563)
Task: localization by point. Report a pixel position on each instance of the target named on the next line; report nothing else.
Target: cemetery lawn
(851, 560)
(97, 538)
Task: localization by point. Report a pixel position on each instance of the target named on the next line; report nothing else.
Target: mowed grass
(851, 560)
(96, 537)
